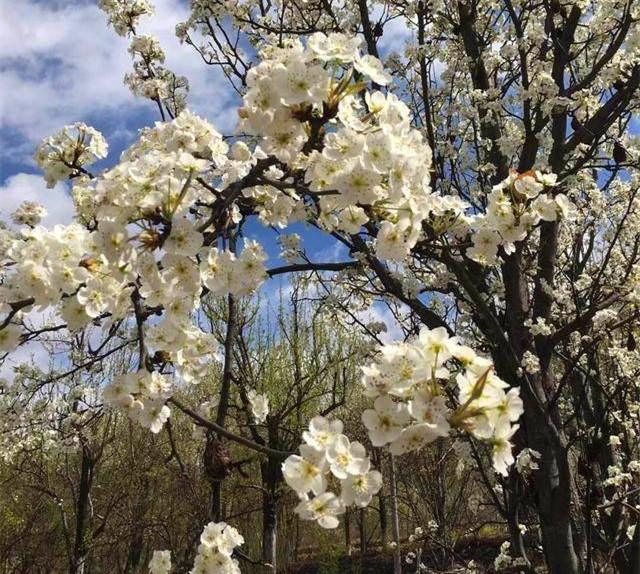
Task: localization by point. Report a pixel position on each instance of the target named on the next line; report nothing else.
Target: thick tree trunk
(553, 489)
(542, 421)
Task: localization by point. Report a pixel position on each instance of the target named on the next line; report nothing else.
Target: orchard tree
(484, 184)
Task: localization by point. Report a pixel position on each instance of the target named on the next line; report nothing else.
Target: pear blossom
(305, 472)
(259, 406)
(10, 338)
(346, 457)
(502, 448)
(160, 562)
(415, 437)
(322, 432)
(153, 415)
(142, 395)
(359, 489)
(385, 421)
(372, 68)
(184, 239)
(70, 150)
(324, 508)
(223, 272)
(218, 541)
(29, 213)
(300, 83)
(412, 372)
(335, 46)
(124, 14)
(222, 537)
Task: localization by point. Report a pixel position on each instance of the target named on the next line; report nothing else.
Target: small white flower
(259, 406)
(359, 489)
(305, 472)
(324, 508)
(347, 457)
(373, 69)
(322, 432)
(160, 562)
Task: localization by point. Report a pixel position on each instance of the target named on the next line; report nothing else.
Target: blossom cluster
(363, 160)
(328, 454)
(66, 153)
(223, 272)
(217, 543)
(47, 264)
(55, 420)
(160, 562)
(144, 81)
(515, 206)
(410, 383)
(124, 15)
(29, 213)
(142, 395)
(149, 79)
(140, 247)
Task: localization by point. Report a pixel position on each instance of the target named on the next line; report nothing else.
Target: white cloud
(396, 34)
(59, 65)
(29, 187)
(60, 62)
(334, 253)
